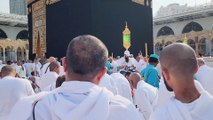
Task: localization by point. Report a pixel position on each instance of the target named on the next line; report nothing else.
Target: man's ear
(101, 74)
(165, 73)
(64, 64)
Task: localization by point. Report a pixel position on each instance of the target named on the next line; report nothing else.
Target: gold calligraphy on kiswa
(147, 3)
(48, 2)
(39, 27)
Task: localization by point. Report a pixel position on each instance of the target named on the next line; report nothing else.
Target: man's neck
(187, 94)
(80, 78)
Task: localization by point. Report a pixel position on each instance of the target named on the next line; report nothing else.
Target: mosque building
(183, 23)
(14, 43)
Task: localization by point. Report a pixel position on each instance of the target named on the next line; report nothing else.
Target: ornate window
(192, 26)
(23, 35)
(165, 31)
(2, 34)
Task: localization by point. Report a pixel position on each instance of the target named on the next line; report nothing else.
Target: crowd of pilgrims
(88, 85)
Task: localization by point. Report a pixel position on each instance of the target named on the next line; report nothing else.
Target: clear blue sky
(4, 4)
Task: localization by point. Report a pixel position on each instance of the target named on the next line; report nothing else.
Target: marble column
(15, 54)
(27, 54)
(22, 54)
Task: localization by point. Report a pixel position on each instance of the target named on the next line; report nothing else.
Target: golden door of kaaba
(39, 28)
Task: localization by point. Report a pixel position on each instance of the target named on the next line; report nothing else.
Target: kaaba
(54, 23)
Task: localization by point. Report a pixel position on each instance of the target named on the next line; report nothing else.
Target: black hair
(153, 60)
(59, 81)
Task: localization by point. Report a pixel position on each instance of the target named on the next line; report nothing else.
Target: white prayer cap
(127, 53)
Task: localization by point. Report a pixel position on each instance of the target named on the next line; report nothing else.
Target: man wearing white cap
(126, 61)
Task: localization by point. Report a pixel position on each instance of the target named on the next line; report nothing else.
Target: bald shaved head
(135, 78)
(179, 59)
(86, 56)
(51, 59)
(8, 71)
(179, 64)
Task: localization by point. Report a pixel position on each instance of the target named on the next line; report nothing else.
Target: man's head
(60, 81)
(9, 62)
(178, 64)
(154, 59)
(111, 59)
(36, 60)
(8, 71)
(19, 63)
(127, 55)
(200, 55)
(134, 79)
(54, 67)
(51, 59)
(85, 59)
(138, 58)
(200, 62)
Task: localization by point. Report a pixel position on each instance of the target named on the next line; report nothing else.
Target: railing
(195, 11)
(4, 17)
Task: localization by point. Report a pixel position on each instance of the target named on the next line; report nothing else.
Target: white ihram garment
(123, 86)
(47, 79)
(205, 77)
(164, 95)
(145, 98)
(11, 91)
(77, 101)
(109, 83)
(200, 109)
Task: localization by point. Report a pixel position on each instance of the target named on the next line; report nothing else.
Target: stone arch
(165, 31)
(3, 35)
(24, 35)
(192, 26)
